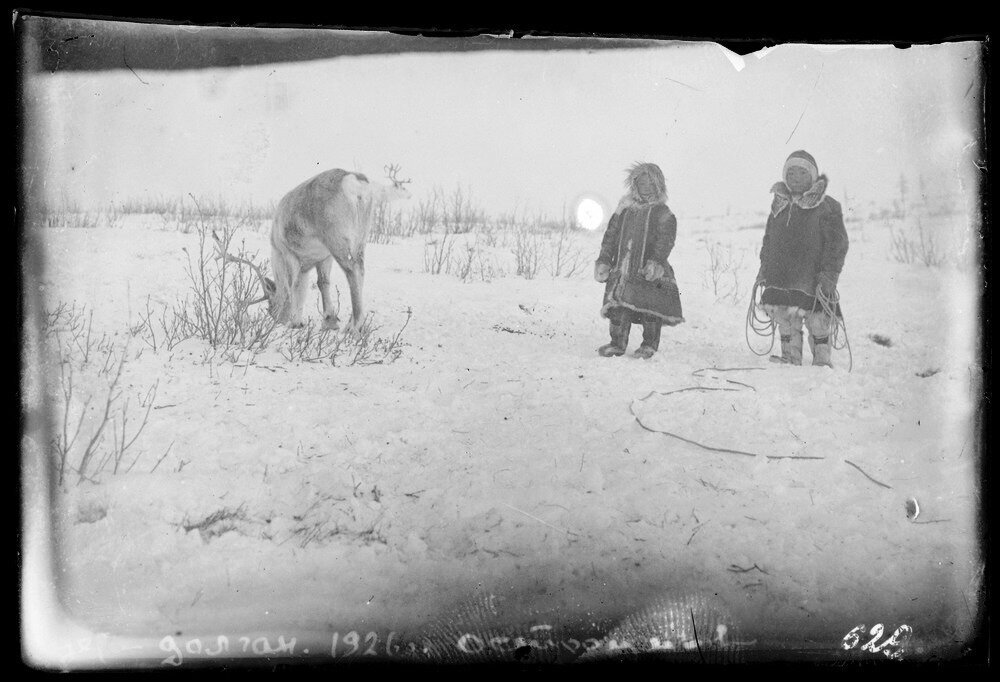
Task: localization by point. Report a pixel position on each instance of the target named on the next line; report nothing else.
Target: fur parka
(804, 238)
(641, 230)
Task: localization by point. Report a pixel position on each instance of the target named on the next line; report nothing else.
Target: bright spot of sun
(589, 214)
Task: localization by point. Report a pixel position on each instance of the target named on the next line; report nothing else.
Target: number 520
(891, 647)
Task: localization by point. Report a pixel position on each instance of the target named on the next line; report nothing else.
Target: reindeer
(324, 219)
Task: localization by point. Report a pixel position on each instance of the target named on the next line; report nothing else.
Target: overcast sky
(526, 130)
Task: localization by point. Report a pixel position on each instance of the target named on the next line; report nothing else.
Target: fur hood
(632, 197)
(811, 198)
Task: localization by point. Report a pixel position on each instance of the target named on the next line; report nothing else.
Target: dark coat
(638, 233)
(804, 238)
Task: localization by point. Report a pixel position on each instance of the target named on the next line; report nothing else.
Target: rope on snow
(631, 409)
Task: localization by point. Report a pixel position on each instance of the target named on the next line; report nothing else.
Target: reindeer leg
(299, 291)
(330, 320)
(356, 281)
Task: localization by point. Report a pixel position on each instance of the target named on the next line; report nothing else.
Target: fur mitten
(653, 271)
(828, 283)
(601, 272)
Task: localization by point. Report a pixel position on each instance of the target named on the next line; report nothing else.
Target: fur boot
(620, 328)
(791, 348)
(820, 348)
(644, 352)
(610, 350)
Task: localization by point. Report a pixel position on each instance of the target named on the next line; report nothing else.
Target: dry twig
(696, 529)
(542, 521)
(867, 476)
(687, 440)
(697, 372)
(733, 568)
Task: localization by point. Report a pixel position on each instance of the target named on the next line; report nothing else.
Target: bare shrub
(64, 446)
(901, 249)
(163, 330)
(55, 219)
(204, 206)
(488, 267)
(217, 523)
(464, 264)
(73, 325)
(387, 223)
(437, 253)
(91, 456)
(221, 293)
(922, 247)
(365, 347)
(51, 319)
(459, 214)
(474, 262)
(380, 230)
(499, 231)
(62, 442)
(150, 204)
(113, 215)
(509, 220)
(527, 250)
(489, 233)
(185, 213)
(566, 259)
(64, 213)
(120, 442)
(425, 218)
(723, 273)
(371, 349)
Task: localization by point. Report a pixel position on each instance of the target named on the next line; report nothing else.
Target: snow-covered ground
(501, 454)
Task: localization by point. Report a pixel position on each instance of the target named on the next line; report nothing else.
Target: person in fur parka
(803, 251)
(640, 286)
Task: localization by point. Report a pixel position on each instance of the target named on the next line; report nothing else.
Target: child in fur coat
(804, 248)
(640, 285)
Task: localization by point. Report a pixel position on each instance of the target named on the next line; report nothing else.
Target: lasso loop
(758, 321)
(761, 324)
(838, 324)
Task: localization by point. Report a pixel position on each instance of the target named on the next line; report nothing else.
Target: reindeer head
(399, 190)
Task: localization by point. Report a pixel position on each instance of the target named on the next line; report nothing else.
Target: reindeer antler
(221, 254)
(391, 171)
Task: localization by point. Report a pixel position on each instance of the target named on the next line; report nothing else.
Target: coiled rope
(758, 321)
(830, 304)
(761, 323)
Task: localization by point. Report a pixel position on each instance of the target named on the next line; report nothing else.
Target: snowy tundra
(292, 504)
